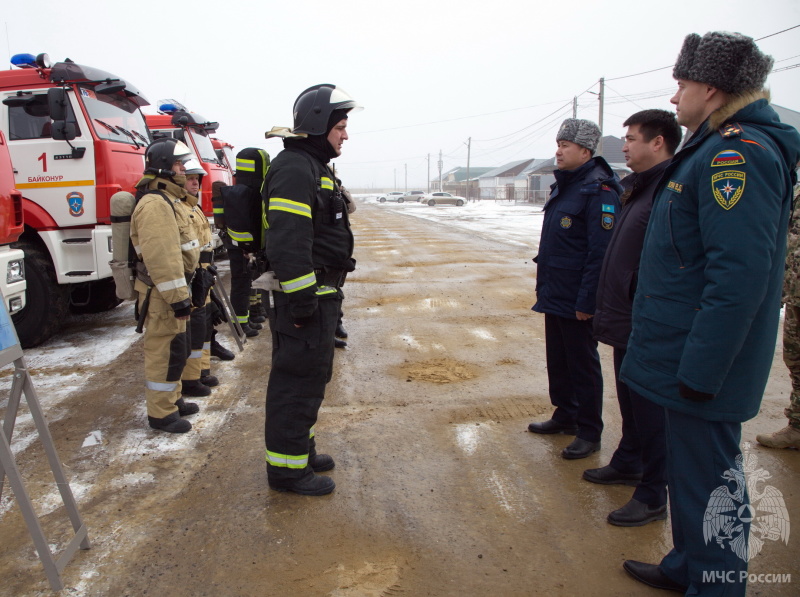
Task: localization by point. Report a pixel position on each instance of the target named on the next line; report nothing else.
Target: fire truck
(225, 154)
(11, 260)
(76, 135)
(174, 120)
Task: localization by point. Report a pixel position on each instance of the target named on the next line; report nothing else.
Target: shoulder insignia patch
(731, 130)
(608, 208)
(728, 157)
(605, 187)
(728, 187)
(675, 187)
(566, 222)
(607, 221)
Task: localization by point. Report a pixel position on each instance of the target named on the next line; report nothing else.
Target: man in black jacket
(309, 247)
(640, 459)
(578, 221)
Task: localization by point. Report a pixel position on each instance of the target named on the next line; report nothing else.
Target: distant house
(505, 181)
(455, 180)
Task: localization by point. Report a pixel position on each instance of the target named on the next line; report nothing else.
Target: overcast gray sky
(430, 74)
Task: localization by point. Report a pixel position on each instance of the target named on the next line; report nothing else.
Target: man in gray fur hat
(706, 309)
(579, 219)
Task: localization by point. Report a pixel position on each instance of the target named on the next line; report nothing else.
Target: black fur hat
(731, 62)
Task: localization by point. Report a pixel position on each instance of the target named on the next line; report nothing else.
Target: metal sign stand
(10, 351)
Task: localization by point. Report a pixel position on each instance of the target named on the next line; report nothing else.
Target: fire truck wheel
(46, 302)
(94, 297)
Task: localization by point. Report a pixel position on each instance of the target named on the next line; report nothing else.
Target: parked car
(414, 196)
(391, 196)
(440, 198)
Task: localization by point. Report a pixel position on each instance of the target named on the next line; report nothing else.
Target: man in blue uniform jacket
(579, 218)
(705, 315)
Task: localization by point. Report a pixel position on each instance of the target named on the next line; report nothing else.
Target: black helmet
(161, 154)
(314, 106)
(252, 164)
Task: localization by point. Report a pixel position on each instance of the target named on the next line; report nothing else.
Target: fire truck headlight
(15, 271)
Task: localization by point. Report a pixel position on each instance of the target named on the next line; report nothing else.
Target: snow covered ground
(502, 220)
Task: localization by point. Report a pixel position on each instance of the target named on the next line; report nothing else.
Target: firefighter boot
(207, 379)
(219, 351)
(172, 423)
(320, 463)
(253, 324)
(249, 331)
(310, 484)
(339, 343)
(340, 331)
(187, 408)
(194, 388)
(257, 313)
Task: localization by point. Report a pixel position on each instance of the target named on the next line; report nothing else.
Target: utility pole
(469, 147)
(429, 173)
(575, 107)
(440, 169)
(601, 97)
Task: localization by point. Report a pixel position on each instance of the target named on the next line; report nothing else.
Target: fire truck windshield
(202, 142)
(115, 117)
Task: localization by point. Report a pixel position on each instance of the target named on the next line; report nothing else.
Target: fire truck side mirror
(57, 102)
(63, 130)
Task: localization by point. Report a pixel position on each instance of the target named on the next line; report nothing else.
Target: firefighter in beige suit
(166, 243)
(197, 379)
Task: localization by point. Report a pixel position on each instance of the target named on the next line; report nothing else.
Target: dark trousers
(699, 452)
(240, 283)
(302, 365)
(574, 375)
(642, 448)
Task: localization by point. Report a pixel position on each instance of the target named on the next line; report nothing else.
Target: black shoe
(608, 475)
(254, 325)
(340, 331)
(207, 379)
(308, 485)
(579, 448)
(553, 426)
(187, 408)
(636, 514)
(256, 317)
(249, 331)
(172, 423)
(222, 353)
(339, 343)
(651, 575)
(320, 463)
(194, 388)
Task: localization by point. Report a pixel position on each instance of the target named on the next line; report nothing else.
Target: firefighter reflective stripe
(240, 236)
(264, 222)
(171, 284)
(311, 433)
(207, 345)
(326, 183)
(219, 210)
(196, 354)
(242, 318)
(245, 165)
(287, 461)
(192, 244)
(292, 207)
(299, 283)
(160, 387)
(325, 290)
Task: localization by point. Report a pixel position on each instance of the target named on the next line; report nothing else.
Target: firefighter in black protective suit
(309, 247)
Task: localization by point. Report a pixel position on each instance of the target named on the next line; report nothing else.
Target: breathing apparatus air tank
(122, 205)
